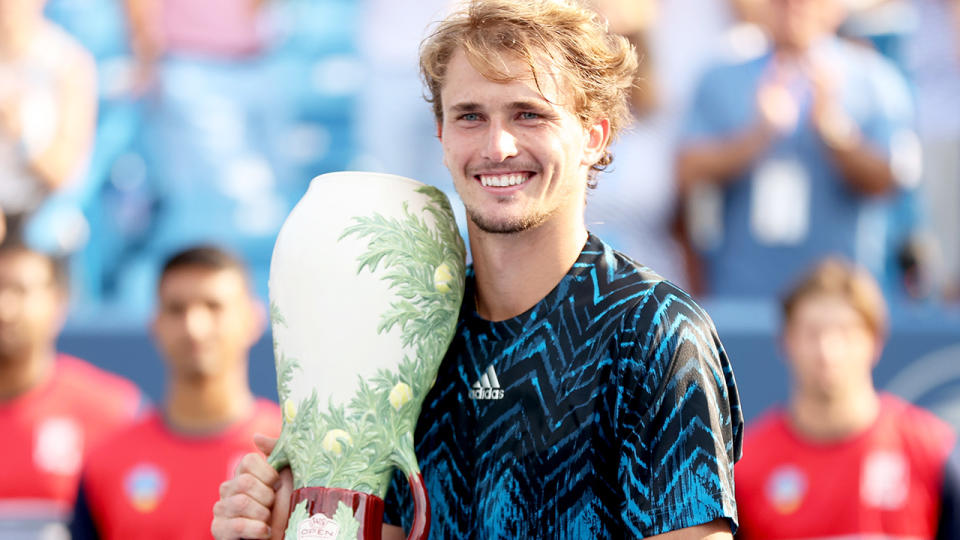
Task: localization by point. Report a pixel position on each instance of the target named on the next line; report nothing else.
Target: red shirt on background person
(842, 460)
(53, 408)
(160, 477)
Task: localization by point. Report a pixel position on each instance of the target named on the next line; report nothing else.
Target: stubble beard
(13, 351)
(512, 225)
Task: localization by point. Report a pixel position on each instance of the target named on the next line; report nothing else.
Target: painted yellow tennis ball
(442, 277)
(289, 410)
(400, 395)
(334, 441)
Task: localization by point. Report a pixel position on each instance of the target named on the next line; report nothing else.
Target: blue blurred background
(220, 148)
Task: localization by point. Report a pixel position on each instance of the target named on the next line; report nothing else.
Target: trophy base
(367, 508)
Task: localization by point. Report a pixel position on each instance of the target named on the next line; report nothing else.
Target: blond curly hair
(598, 67)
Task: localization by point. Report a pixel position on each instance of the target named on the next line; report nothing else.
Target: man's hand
(256, 501)
(776, 103)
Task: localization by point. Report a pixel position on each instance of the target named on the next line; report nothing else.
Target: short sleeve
(679, 419)
(948, 527)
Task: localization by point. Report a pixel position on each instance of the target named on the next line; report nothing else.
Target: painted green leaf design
(422, 260)
(299, 514)
(348, 524)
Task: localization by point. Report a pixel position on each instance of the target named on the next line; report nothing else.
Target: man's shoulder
(646, 299)
(60, 51)
(616, 269)
(868, 69)
(770, 425)
(93, 386)
(919, 428)
(267, 418)
(733, 70)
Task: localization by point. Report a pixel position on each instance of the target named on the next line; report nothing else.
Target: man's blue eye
(470, 117)
(529, 115)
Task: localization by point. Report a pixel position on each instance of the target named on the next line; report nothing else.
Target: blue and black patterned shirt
(608, 410)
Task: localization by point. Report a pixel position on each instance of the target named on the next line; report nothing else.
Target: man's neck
(515, 271)
(18, 376)
(205, 405)
(830, 419)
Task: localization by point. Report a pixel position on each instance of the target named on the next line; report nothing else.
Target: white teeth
(502, 180)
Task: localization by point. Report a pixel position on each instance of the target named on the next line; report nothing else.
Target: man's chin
(11, 352)
(510, 225)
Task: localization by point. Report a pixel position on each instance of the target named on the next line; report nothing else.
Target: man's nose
(197, 322)
(501, 143)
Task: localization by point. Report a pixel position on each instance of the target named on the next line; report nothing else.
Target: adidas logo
(488, 387)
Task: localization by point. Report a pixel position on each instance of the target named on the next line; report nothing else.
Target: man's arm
(864, 168)
(143, 18)
(715, 530)
(722, 159)
(863, 163)
(72, 140)
(678, 420)
(392, 532)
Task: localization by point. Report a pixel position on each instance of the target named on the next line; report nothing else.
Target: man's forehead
(196, 278)
(505, 67)
(25, 263)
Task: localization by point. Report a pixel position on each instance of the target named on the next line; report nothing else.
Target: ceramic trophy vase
(366, 283)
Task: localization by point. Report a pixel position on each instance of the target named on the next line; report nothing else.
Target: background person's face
(205, 321)
(797, 24)
(31, 304)
(829, 346)
(16, 13)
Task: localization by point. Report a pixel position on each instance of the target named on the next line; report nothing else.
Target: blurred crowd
(765, 136)
(768, 136)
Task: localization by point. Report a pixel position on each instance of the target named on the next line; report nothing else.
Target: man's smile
(507, 179)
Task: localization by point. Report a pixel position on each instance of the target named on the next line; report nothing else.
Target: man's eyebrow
(529, 104)
(467, 106)
(470, 106)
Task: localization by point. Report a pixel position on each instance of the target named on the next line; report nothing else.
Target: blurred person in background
(48, 110)
(159, 477)
(213, 114)
(634, 209)
(53, 407)
(389, 35)
(932, 57)
(842, 460)
(802, 146)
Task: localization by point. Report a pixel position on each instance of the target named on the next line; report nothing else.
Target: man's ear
(597, 136)
(259, 320)
(440, 129)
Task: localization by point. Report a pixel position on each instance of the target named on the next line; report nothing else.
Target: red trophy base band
(367, 508)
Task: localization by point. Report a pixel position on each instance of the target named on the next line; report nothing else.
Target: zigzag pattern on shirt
(588, 440)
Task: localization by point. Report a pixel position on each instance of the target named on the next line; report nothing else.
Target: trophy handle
(421, 508)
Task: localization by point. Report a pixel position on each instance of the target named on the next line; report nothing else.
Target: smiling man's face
(518, 156)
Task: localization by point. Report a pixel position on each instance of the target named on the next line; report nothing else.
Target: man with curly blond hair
(583, 396)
